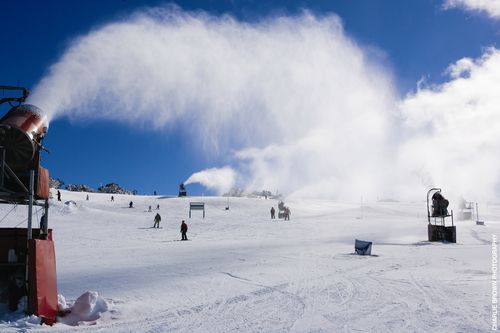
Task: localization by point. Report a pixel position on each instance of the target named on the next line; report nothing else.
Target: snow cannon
(437, 213)
(21, 132)
(27, 255)
(182, 190)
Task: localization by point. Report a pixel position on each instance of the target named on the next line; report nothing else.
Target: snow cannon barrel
(21, 132)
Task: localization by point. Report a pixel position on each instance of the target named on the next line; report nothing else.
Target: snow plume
(453, 130)
(296, 104)
(300, 103)
(220, 180)
(491, 7)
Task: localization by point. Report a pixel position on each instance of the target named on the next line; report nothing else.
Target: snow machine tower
(436, 228)
(182, 190)
(27, 256)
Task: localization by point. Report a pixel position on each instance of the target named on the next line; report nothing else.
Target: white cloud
(461, 68)
(491, 7)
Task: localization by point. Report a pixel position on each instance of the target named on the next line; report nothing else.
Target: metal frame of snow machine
(438, 231)
(27, 255)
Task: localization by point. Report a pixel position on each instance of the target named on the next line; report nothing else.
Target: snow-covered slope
(244, 272)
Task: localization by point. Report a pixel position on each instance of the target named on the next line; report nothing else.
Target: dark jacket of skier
(157, 221)
(184, 229)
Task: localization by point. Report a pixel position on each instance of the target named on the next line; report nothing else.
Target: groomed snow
(242, 272)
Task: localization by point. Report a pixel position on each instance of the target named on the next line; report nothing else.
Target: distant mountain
(113, 188)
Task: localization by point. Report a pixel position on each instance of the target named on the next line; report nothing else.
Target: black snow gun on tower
(27, 256)
(437, 212)
(182, 190)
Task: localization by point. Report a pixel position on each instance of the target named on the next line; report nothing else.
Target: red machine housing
(42, 298)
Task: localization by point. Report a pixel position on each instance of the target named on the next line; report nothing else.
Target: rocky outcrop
(114, 188)
(78, 188)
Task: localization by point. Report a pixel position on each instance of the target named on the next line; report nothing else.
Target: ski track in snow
(242, 272)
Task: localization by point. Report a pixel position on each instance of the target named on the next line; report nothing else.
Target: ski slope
(243, 272)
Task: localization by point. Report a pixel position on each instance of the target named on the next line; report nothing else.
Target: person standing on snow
(131, 204)
(112, 198)
(184, 229)
(58, 195)
(287, 214)
(157, 221)
(273, 211)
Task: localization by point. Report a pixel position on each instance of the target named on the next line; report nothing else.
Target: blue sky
(412, 39)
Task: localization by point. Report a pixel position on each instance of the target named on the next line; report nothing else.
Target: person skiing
(58, 195)
(87, 197)
(157, 221)
(149, 210)
(184, 229)
(112, 198)
(131, 205)
(273, 212)
(158, 207)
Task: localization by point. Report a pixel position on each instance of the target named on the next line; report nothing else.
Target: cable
(26, 219)
(10, 211)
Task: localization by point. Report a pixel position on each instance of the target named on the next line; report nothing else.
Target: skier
(184, 229)
(287, 214)
(273, 211)
(158, 207)
(58, 195)
(87, 197)
(157, 221)
(149, 210)
(131, 205)
(112, 198)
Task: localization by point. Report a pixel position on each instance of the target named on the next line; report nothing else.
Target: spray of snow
(454, 129)
(220, 180)
(295, 103)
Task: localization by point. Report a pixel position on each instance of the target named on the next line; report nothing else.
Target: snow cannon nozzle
(22, 130)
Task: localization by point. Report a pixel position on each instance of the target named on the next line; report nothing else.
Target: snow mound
(87, 309)
(69, 207)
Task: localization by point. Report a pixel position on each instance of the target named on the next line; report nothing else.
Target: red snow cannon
(27, 255)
